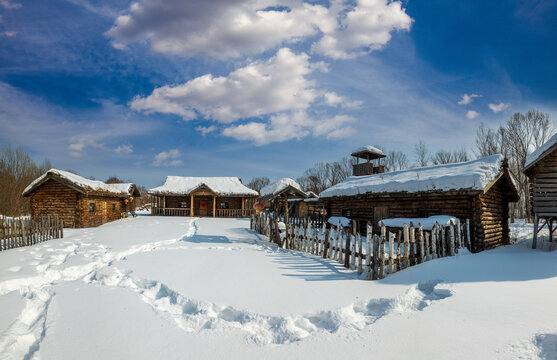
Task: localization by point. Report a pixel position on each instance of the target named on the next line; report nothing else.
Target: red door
(203, 207)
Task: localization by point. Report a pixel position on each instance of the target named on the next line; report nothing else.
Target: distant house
(541, 170)
(279, 192)
(77, 201)
(203, 196)
(478, 190)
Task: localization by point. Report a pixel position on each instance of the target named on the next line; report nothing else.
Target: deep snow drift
(170, 287)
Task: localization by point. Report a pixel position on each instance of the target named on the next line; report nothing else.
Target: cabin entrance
(203, 205)
(104, 212)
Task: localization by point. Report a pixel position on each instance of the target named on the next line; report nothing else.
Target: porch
(203, 205)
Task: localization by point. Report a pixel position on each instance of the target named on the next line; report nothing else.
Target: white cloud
(124, 149)
(358, 30)
(204, 130)
(471, 114)
(276, 91)
(9, 4)
(260, 88)
(220, 28)
(284, 127)
(235, 28)
(499, 107)
(9, 33)
(467, 99)
(333, 99)
(167, 158)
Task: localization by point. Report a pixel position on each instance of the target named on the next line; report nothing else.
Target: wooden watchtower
(372, 156)
(541, 170)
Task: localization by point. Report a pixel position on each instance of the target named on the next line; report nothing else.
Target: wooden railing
(25, 232)
(367, 169)
(171, 211)
(186, 212)
(235, 212)
(375, 254)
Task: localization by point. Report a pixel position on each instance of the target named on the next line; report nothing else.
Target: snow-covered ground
(174, 288)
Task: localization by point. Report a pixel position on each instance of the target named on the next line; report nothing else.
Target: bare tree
(516, 139)
(324, 175)
(396, 160)
(422, 154)
(113, 180)
(257, 183)
(17, 171)
(449, 157)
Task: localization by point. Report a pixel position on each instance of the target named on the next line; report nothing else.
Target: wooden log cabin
(79, 202)
(278, 193)
(541, 170)
(478, 190)
(203, 196)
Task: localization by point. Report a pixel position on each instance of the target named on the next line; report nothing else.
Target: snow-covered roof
(541, 152)
(473, 175)
(81, 183)
(427, 223)
(368, 150)
(277, 187)
(224, 186)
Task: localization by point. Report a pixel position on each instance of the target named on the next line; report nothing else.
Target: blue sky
(262, 87)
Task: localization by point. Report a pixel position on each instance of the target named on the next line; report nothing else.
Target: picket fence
(389, 251)
(20, 232)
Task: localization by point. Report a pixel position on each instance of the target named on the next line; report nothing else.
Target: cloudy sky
(246, 88)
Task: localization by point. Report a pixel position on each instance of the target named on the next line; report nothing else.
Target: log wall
(103, 210)
(55, 199)
(488, 213)
(543, 186)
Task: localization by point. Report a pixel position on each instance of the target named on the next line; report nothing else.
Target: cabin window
(347, 213)
(183, 204)
(224, 205)
(91, 209)
(113, 207)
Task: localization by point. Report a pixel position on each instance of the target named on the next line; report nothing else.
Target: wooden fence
(25, 232)
(378, 255)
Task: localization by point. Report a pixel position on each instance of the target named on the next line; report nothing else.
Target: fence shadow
(213, 239)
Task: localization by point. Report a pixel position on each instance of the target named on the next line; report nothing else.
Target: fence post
(421, 244)
(434, 242)
(398, 261)
(458, 235)
(391, 252)
(324, 239)
(369, 237)
(347, 247)
(383, 247)
(468, 244)
(451, 238)
(341, 246)
(406, 246)
(412, 242)
(360, 255)
(443, 240)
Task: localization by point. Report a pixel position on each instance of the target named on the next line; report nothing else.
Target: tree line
(515, 140)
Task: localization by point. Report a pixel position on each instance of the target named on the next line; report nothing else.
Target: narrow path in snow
(95, 265)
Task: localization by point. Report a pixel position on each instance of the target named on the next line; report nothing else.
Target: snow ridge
(193, 315)
(22, 339)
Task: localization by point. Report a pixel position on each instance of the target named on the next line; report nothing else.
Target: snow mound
(334, 220)
(539, 152)
(474, 175)
(427, 223)
(95, 185)
(219, 185)
(368, 148)
(278, 186)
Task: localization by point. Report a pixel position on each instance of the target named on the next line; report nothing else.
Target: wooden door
(203, 207)
(105, 218)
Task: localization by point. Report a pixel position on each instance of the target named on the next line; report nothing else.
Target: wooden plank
(360, 255)
(391, 252)
(406, 246)
(420, 244)
(382, 249)
(434, 242)
(369, 239)
(347, 248)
